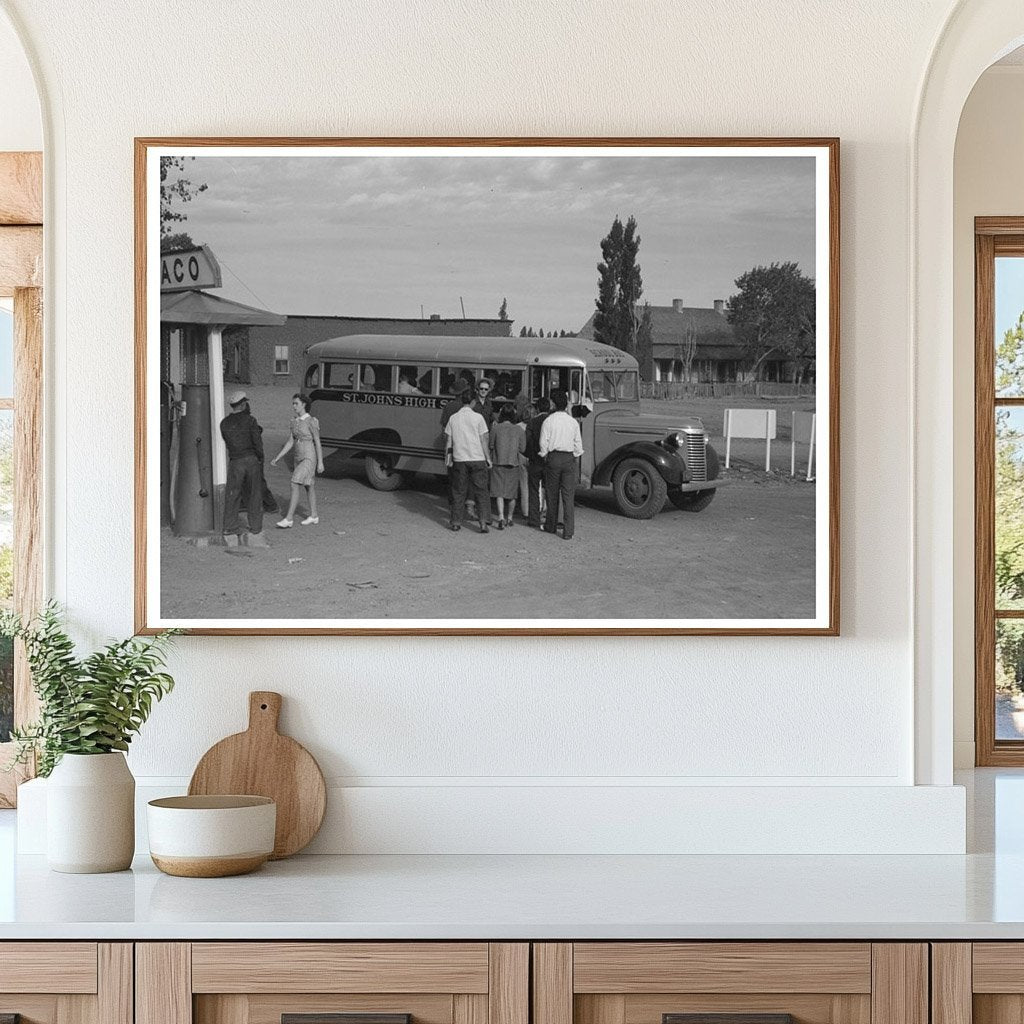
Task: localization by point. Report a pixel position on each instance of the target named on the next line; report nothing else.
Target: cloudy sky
(385, 235)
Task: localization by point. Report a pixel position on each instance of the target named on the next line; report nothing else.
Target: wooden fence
(734, 389)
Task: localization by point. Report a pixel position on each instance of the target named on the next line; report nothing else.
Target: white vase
(90, 814)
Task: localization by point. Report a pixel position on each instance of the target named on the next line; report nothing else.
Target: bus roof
(451, 350)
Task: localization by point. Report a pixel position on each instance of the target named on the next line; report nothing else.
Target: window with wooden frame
(999, 490)
(21, 365)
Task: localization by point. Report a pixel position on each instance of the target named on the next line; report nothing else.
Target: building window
(999, 491)
(281, 359)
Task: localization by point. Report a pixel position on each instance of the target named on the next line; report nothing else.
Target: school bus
(380, 398)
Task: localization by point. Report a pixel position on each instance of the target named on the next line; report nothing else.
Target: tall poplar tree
(605, 320)
(617, 321)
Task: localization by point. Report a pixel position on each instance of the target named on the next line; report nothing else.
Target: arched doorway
(977, 33)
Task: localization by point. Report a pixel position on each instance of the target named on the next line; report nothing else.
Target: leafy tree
(178, 242)
(522, 332)
(686, 351)
(645, 344)
(773, 313)
(630, 289)
(605, 322)
(175, 189)
(503, 312)
(620, 288)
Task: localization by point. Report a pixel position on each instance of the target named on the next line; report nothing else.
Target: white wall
(21, 127)
(432, 716)
(987, 182)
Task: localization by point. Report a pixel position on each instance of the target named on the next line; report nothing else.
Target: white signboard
(192, 268)
(750, 423)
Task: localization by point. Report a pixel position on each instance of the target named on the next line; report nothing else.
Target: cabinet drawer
(66, 982)
(340, 967)
(634, 967)
(65, 967)
(730, 983)
(332, 983)
(980, 982)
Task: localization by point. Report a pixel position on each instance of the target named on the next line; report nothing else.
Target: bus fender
(668, 464)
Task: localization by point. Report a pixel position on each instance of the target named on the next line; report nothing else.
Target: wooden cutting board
(262, 762)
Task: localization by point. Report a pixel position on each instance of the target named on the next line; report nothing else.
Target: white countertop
(516, 897)
(977, 896)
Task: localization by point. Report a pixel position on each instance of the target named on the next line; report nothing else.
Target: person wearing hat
(459, 388)
(243, 438)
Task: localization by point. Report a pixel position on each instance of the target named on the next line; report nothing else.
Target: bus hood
(654, 424)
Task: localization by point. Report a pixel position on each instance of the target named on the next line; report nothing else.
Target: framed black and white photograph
(499, 386)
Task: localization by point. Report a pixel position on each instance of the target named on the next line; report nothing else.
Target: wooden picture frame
(814, 609)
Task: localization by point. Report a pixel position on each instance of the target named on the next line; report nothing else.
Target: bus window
(507, 383)
(340, 376)
(313, 377)
(613, 385)
(548, 378)
(416, 380)
(450, 375)
(376, 377)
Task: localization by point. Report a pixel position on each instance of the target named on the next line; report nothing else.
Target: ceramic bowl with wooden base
(211, 836)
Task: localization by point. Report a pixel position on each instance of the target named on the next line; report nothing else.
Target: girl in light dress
(507, 443)
(309, 460)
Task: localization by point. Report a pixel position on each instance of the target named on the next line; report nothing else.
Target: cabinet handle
(727, 1018)
(337, 1018)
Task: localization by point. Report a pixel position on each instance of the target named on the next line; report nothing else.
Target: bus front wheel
(381, 474)
(639, 489)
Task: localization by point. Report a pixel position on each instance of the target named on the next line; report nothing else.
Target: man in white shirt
(561, 444)
(466, 452)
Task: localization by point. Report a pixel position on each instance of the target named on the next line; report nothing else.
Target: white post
(215, 351)
(810, 453)
(767, 443)
(728, 438)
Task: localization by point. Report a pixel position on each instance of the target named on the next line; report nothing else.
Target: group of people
(523, 453)
(530, 454)
(247, 487)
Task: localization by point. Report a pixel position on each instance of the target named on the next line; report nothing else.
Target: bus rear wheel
(381, 474)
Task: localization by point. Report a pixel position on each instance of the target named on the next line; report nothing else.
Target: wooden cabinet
(978, 983)
(308, 982)
(66, 982)
(752, 982)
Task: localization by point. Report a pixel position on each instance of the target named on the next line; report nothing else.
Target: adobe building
(717, 354)
(276, 354)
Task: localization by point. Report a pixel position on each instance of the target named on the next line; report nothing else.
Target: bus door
(545, 379)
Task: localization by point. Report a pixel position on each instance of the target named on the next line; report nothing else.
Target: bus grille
(696, 455)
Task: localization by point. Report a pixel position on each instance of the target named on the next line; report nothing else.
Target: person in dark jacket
(535, 464)
(482, 403)
(243, 438)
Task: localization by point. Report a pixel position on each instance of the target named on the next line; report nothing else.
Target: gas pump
(193, 485)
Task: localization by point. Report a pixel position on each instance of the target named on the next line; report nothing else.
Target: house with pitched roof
(697, 344)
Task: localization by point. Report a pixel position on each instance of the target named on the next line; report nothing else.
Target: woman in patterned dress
(308, 461)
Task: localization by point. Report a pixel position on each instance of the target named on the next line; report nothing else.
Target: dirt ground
(377, 555)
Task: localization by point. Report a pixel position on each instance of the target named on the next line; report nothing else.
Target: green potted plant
(89, 710)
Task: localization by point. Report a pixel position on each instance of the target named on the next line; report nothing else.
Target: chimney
(720, 306)
(435, 316)
(677, 305)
